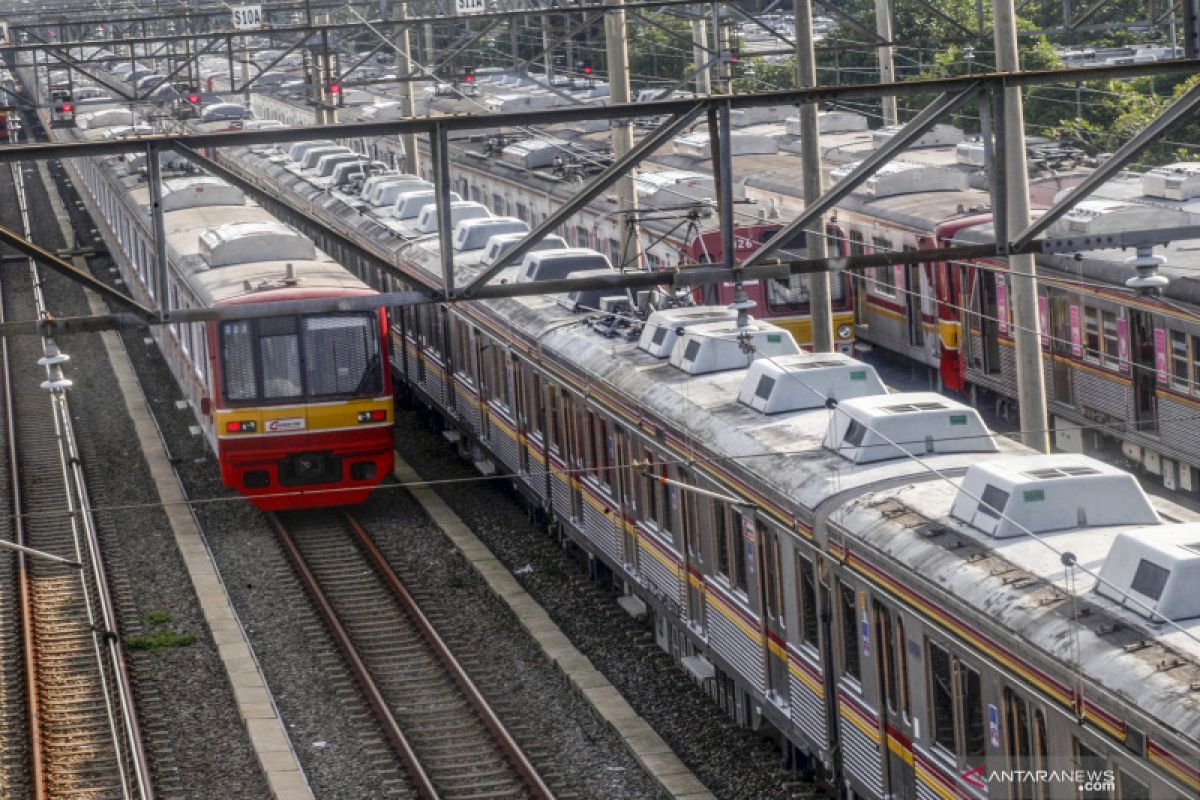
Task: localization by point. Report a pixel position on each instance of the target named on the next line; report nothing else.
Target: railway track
(450, 741)
(76, 733)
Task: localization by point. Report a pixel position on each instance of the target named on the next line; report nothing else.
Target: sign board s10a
(247, 18)
(462, 7)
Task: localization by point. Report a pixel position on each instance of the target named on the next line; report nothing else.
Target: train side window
(886, 634)
(771, 583)
(649, 492)
(806, 595)
(720, 515)
(462, 348)
(1129, 787)
(899, 643)
(533, 400)
(553, 421)
(603, 460)
(1195, 364)
(1179, 360)
(1095, 768)
(974, 738)
(1112, 347)
(885, 276)
(848, 612)
(941, 697)
(1091, 333)
(738, 544)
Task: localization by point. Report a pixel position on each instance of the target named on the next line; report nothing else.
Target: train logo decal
(285, 425)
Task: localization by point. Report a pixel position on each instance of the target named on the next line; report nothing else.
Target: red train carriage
(302, 405)
(782, 301)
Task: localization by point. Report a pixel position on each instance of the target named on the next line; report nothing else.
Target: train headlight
(246, 426)
(845, 331)
(378, 415)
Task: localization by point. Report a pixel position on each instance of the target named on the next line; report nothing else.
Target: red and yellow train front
(303, 410)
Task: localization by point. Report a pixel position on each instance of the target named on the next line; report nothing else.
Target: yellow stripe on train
(300, 418)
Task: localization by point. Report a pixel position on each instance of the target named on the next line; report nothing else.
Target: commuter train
(298, 409)
(914, 606)
(1122, 368)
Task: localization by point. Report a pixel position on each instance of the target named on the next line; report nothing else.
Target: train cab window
(237, 358)
(792, 293)
(806, 595)
(342, 355)
(848, 613)
(279, 353)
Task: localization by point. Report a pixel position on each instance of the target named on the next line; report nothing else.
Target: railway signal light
(194, 99)
(468, 75)
(67, 108)
(585, 67)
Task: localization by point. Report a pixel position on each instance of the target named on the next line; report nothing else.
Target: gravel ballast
(193, 735)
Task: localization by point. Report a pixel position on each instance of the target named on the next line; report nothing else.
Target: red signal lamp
(587, 69)
(194, 99)
(335, 88)
(67, 108)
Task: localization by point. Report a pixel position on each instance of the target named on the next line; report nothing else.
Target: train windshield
(791, 294)
(297, 359)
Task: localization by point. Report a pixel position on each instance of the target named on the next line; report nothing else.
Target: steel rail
(374, 696)
(520, 762)
(135, 776)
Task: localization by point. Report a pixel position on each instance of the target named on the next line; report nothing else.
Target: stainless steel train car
(953, 318)
(913, 606)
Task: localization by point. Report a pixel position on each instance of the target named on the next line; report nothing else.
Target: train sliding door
(1060, 347)
(1142, 355)
(895, 721)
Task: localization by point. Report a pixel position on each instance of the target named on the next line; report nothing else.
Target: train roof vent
(328, 163)
(1159, 567)
(197, 191)
(886, 426)
(410, 204)
(532, 153)
(1049, 493)
(296, 152)
(663, 327)
(805, 380)
(587, 301)
(501, 243)
(938, 136)
(108, 118)
(742, 144)
(1173, 181)
(385, 194)
(721, 346)
(905, 177)
(240, 242)
(459, 211)
(548, 265)
(384, 177)
(472, 234)
(1097, 216)
(314, 156)
(673, 187)
(829, 122)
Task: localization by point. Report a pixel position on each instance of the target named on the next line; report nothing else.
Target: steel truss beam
(1170, 117)
(602, 182)
(686, 279)
(942, 105)
(48, 259)
(293, 48)
(552, 116)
